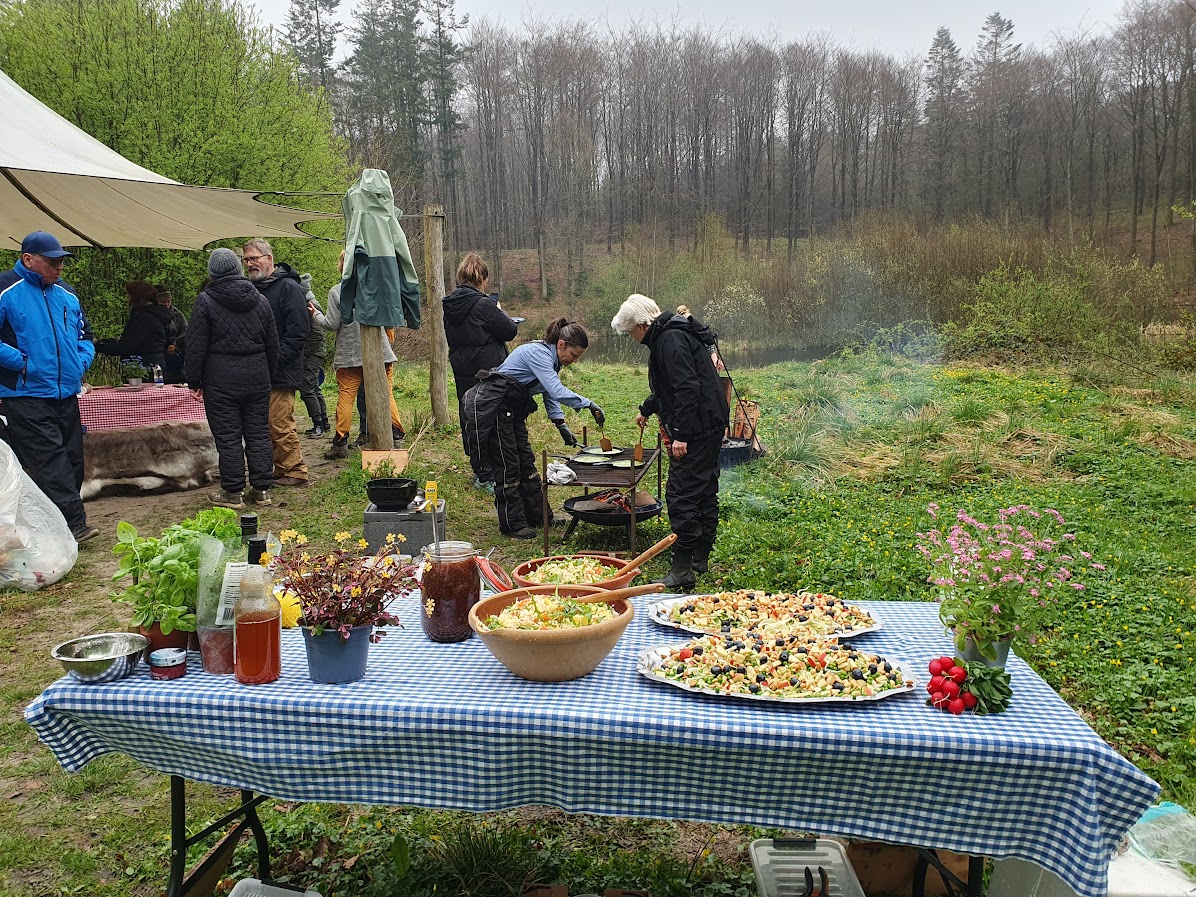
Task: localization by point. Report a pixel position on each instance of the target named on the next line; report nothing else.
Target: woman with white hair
(686, 395)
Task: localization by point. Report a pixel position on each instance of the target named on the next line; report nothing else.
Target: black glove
(599, 415)
(567, 436)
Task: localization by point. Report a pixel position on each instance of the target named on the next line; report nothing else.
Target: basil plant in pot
(997, 580)
(342, 596)
(163, 585)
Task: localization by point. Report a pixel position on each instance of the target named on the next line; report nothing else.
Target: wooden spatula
(604, 442)
(647, 555)
(638, 454)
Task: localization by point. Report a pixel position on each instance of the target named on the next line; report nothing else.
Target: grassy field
(859, 446)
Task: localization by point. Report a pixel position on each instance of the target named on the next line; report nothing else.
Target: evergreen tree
(442, 56)
(944, 109)
(387, 107)
(311, 31)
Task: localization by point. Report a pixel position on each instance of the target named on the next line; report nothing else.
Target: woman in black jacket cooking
(477, 331)
(232, 352)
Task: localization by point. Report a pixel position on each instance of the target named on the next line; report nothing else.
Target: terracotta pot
(176, 639)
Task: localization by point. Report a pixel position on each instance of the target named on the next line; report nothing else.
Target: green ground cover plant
(859, 446)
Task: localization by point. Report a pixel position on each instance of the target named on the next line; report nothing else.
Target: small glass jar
(452, 584)
(168, 663)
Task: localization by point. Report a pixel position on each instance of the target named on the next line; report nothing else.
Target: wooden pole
(434, 285)
(377, 389)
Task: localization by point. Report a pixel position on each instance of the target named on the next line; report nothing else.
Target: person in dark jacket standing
(495, 423)
(232, 351)
(313, 367)
(148, 331)
(687, 396)
(477, 331)
(288, 302)
(44, 353)
(176, 337)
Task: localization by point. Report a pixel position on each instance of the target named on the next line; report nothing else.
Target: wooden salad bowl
(555, 655)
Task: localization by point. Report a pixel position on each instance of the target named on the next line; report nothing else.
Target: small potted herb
(342, 597)
(164, 584)
(133, 370)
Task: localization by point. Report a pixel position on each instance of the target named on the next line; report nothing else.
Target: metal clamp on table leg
(205, 876)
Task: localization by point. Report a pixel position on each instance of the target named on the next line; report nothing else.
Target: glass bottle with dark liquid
(257, 638)
(451, 585)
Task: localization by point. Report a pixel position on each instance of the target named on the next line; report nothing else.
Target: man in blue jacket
(44, 353)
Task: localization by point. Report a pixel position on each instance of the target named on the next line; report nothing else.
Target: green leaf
(400, 855)
(125, 532)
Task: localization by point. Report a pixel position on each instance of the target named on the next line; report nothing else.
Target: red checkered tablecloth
(124, 407)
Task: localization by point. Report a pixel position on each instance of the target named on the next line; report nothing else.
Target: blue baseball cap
(41, 243)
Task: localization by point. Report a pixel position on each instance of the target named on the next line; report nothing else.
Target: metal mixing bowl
(101, 658)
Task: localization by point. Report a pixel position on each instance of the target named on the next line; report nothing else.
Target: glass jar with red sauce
(257, 631)
(451, 585)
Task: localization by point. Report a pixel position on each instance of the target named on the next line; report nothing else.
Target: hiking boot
(258, 497)
(681, 577)
(290, 481)
(484, 485)
(315, 432)
(338, 449)
(398, 434)
(84, 533)
(224, 499)
(527, 533)
(362, 439)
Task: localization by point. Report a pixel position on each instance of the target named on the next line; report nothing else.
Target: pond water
(619, 350)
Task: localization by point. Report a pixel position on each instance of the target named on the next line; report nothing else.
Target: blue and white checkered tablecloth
(448, 726)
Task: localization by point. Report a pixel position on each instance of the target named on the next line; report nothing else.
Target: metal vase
(971, 651)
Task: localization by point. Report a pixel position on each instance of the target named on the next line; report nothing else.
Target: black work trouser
(692, 494)
(310, 392)
(47, 437)
(481, 469)
(240, 420)
(518, 491)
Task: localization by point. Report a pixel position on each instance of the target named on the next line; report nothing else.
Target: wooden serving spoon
(638, 454)
(646, 556)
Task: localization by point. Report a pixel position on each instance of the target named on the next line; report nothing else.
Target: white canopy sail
(58, 178)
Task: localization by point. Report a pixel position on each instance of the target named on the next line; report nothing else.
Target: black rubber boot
(681, 577)
(701, 560)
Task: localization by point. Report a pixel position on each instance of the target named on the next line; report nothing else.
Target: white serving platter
(649, 661)
(659, 613)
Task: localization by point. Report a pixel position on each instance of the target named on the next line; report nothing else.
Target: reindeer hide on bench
(167, 457)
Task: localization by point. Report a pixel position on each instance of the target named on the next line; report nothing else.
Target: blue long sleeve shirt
(536, 366)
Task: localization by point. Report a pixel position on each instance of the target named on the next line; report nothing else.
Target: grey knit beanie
(222, 263)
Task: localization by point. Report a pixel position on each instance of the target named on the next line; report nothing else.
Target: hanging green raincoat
(379, 287)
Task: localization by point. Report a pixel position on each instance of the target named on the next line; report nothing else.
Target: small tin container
(168, 663)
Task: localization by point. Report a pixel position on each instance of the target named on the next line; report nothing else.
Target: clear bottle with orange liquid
(257, 631)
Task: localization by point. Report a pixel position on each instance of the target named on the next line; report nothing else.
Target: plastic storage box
(781, 865)
(252, 887)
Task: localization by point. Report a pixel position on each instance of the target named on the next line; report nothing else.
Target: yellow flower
(355, 592)
(429, 606)
(305, 557)
(264, 560)
(288, 534)
(362, 543)
(342, 536)
(390, 538)
(301, 539)
(291, 611)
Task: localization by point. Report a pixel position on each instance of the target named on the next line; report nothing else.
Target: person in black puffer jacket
(232, 353)
(477, 331)
(288, 301)
(693, 410)
(148, 330)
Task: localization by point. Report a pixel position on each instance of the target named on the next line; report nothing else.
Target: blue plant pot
(332, 659)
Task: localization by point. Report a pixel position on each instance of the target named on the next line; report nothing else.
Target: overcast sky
(897, 27)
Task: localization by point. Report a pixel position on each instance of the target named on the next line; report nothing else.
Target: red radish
(946, 662)
(955, 705)
(950, 689)
(959, 674)
(969, 699)
(938, 699)
(936, 668)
